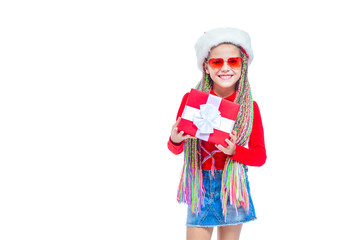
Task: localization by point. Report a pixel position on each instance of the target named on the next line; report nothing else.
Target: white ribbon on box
(208, 118)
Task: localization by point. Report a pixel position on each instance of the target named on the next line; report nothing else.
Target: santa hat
(217, 36)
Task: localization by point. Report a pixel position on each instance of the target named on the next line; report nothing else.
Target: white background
(90, 89)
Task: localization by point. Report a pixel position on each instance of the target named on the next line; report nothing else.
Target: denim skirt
(211, 214)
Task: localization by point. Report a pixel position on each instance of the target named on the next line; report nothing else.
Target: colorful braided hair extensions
(233, 186)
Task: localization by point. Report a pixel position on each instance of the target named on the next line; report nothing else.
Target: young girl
(214, 181)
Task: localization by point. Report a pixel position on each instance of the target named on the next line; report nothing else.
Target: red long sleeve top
(254, 155)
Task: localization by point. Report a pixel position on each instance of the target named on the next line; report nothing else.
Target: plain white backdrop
(89, 91)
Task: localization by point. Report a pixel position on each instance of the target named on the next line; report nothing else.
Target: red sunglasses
(217, 63)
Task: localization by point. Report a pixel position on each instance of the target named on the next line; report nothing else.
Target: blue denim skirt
(211, 214)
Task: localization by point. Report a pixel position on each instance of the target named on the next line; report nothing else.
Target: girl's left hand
(231, 148)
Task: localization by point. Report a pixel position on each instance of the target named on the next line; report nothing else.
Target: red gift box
(208, 117)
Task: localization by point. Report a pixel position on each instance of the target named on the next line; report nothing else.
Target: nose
(225, 67)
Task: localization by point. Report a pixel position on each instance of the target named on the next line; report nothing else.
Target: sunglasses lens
(234, 62)
(216, 63)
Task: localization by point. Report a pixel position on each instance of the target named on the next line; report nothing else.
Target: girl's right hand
(178, 137)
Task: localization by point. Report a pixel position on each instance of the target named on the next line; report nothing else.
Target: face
(225, 77)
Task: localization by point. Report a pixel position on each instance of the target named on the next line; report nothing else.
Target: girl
(221, 197)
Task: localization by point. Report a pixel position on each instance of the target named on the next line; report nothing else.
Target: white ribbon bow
(207, 119)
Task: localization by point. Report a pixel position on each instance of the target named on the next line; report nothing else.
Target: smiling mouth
(225, 77)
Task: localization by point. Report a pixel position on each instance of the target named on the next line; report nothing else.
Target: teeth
(225, 77)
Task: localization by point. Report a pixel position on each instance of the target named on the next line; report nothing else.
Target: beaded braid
(233, 183)
(233, 186)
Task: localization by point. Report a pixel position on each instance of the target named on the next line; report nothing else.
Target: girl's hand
(176, 136)
(231, 148)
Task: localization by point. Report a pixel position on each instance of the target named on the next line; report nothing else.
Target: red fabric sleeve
(256, 154)
(175, 148)
(178, 148)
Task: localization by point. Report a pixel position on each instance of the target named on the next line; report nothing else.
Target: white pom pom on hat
(217, 36)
